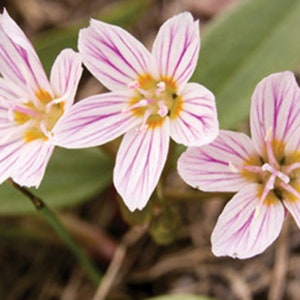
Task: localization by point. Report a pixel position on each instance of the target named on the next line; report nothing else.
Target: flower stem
(61, 231)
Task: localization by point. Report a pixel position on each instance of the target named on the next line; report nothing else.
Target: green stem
(61, 231)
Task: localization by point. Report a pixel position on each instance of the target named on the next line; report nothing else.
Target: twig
(129, 239)
(181, 260)
(238, 284)
(278, 281)
(98, 243)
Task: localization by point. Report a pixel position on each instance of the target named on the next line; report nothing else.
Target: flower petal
(197, 123)
(94, 121)
(18, 60)
(6, 124)
(216, 167)
(112, 55)
(7, 91)
(294, 208)
(275, 109)
(140, 161)
(176, 48)
(241, 231)
(65, 75)
(9, 153)
(32, 162)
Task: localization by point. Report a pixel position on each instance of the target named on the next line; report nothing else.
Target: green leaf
(180, 297)
(50, 43)
(72, 176)
(244, 45)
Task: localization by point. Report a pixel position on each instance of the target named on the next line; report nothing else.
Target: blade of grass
(60, 230)
(256, 38)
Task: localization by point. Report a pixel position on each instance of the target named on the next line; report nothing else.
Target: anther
(268, 134)
(161, 86)
(257, 212)
(276, 173)
(232, 167)
(163, 109)
(141, 103)
(134, 85)
(267, 167)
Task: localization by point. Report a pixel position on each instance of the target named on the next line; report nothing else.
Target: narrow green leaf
(51, 42)
(73, 176)
(255, 39)
(180, 297)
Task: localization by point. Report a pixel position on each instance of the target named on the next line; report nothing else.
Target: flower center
(154, 100)
(276, 171)
(270, 180)
(39, 117)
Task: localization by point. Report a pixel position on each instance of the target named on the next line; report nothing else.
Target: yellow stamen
(159, 98)
(41, 116)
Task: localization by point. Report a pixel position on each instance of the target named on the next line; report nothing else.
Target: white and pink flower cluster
(150, 100)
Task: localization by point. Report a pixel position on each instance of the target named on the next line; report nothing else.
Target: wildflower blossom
(150, 101)
(30, 105)
(265, 171)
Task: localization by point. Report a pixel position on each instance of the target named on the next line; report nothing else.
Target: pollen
(154, 100)
(43, 96)
(270, 199)
(33, 134)
(39, 116)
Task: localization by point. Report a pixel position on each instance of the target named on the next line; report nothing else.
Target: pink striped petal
(8, 90)
(65, 75)
(216, 167)
(176, 48)
(9, 130)
(9, 154)
(294, 208)
(275, 110)
(197, 124)
(5, 124)
(242, 231)
(31, 165)
(18, 60)
(292, 144)
(94, 121)
(140, 161)
(112, 55)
